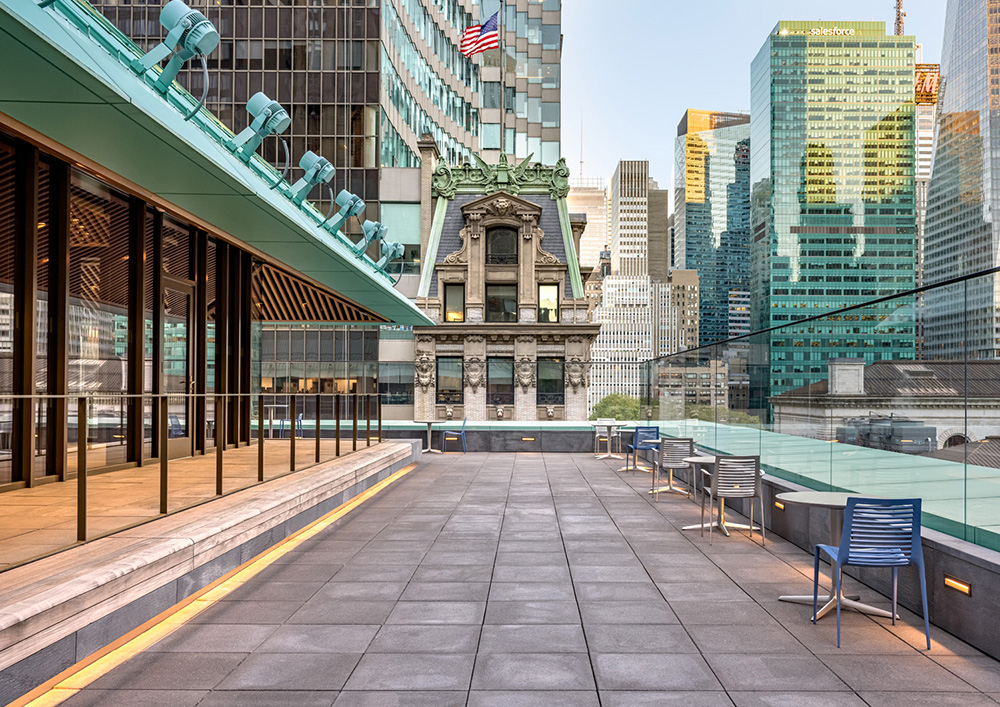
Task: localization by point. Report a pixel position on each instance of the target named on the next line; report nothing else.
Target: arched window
(501, 246)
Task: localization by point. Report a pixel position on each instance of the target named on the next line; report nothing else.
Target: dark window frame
(550, 397)
(497, 255)
(453, 286)
(554, 285)
(507, 317)
(450, 396)
(494, 394)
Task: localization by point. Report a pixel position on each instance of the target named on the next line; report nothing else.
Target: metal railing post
(354, 415)
(318, 401)
(260, 438)
(336, 412)
(163, 455)
(220, 427)
(368, 420)
(291, 426)
(81, 469)
(378, 401)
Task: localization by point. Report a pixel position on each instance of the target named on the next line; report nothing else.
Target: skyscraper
(588, 195)
(712, 211)
(962, 232)
(364, 80)
(645, 310)
(833, 216)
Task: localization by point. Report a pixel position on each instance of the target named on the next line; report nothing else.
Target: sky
(630, 68)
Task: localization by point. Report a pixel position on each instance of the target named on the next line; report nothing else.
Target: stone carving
(475, 373)
(462, 254)
(475, 339)
(542, 256)
(424, 372)
(526, 340)
(525, 375)
(575, 339)
(483, 178)
(577, 374)
(499, 207)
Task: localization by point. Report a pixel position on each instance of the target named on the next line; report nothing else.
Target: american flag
(479, 38)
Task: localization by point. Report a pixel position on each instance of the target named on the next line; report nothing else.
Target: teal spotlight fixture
(189, 34)
(390, 251)
(373, 231)
(269, 118)
(350, 206)
(318, 171)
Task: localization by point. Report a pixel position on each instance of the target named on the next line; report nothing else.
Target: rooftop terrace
(533, 579)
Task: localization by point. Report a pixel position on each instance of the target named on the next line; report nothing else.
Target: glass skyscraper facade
(364, 80)
(833, 197)
(962, 234)
(712, 212)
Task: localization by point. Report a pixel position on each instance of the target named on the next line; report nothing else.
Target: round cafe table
(430, 424)
(836, 502)
(609, 428)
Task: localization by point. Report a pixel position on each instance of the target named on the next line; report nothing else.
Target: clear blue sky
(631, 68)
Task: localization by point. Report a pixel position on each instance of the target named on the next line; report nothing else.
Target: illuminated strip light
(958, 585)
(75, 678)
(779, 505)
(527, 439)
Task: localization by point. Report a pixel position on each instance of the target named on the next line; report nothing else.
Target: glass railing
(121, 460)
(897, 397)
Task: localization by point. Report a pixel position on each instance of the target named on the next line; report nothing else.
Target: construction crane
(899, 17)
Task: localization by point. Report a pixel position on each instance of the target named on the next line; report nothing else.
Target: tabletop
(430, 422)
(819, 499)
(595, 423)
(701, 459)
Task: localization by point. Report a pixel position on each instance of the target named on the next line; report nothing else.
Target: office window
(548, 304)
(449, 381)
(551, 382)
(500, 381)
(454, 302)
(501, 303)
(501, 246)
(395, 382)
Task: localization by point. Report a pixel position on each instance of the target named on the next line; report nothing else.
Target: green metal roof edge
(433, 241)
(94, 83)
(575, 278)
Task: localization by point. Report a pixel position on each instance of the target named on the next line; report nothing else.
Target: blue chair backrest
(646, 434)
(464, 420)
(880, 532)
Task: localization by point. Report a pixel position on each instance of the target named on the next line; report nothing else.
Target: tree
(617, 406)
(709, 413)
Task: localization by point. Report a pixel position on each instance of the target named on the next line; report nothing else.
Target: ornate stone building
(501, 279)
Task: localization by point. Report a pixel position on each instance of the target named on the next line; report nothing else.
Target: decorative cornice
(483, 178)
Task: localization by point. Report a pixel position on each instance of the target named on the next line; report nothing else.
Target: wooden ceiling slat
(286, 298)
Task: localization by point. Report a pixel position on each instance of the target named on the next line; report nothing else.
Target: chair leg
(762, 538)
(839, 575)
(444, 443)
(465, 447)
(751, 520)
(815, 583)
(711, 515)
(703, 515)
(895, 591)
(923, 596)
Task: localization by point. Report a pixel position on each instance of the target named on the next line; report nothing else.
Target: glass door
(178, 368)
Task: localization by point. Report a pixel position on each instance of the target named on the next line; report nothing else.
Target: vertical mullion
(201, 339)
(247, 344)
(25, 319)
(157, 257)
(58, 323)
(222, 321)
(136, 327)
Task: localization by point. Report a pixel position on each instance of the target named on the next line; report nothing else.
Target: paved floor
(42, 519)
(524, 580)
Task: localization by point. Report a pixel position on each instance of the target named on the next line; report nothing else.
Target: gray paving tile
(538, 638)
(532, 612)
(161, 671)
(531, 574)
(650, 671)
(217, 638)
(297, 573)
(342, 612)
(530, 559)
(917, 673)
(389, 698)
(361, 591)
(248, 612)
(531, 591)
(792, 673)
(268, 698)
(532, 671)
(412, 671)
(291, 671)
(305, 638)
(905, 698)
(662, 638)
(745, 639)
(617, 591)
(525, 698)
(720, 613)
(404, 638)
(468, 573)
(374, 573)
(135, 698)
(275, 591)
(609, 573)
(446, 591)
(635, 698)
(437, 612)
(627, 612)
(704, 591)
(982, 672)
(796, 699)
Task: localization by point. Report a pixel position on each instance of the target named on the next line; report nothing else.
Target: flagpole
(502, 27)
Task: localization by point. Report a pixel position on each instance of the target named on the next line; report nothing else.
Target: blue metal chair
(877, 532)
(644, 438)
(444, 438)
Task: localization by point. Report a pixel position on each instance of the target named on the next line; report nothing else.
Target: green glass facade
(832, 197)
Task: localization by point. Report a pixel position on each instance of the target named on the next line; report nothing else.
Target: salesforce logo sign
(831, 32)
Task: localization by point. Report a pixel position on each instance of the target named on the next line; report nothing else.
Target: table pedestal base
(829, 603)
(644, 469)
(431, 451)
(723, 528)
(670, 489)
(609, 456)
